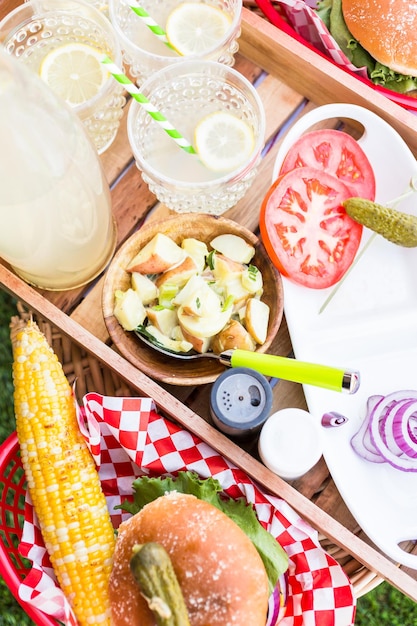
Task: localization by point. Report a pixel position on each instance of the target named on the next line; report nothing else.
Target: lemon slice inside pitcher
(223, 141)
(74, 72)
(194, 28)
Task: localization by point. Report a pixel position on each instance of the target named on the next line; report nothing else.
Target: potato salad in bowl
(192, 284)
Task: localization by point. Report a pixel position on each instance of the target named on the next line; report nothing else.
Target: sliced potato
(224, 269)
(235, 290)
(158, 255)
(171, 344)
(146, 288)
(200, 344)
(177, 333)
(128, 309)
(257, 319)
(234, 247)
(252, 280)
(195, 282)
(179, 274)
(202, 302)
(233, 336)
(203, 326)
(197, 250)
(164, 319)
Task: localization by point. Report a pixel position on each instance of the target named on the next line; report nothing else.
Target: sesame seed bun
(387, 29)
(221, 574)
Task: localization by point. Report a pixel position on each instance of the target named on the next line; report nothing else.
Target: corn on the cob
(62, 478)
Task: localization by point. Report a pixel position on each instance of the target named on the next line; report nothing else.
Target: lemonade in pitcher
(56, 223)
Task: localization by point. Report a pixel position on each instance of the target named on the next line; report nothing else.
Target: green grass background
(384, 606)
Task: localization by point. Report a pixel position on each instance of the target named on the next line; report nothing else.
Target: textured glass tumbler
(185, 93)
(145, 54)
(33, 29)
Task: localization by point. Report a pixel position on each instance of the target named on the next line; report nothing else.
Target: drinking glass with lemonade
(206, 30)
(218, 111)
(63, 41)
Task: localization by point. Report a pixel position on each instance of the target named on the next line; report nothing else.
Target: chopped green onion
(252, 272)
(210, 259)
(166, 294)
(228, 303)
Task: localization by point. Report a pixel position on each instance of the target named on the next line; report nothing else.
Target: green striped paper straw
(131, 88)
(157, 30)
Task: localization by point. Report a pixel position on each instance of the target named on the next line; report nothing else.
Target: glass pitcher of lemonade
(56, 224)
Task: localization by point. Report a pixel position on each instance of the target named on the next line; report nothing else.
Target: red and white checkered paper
(305, 21)
(128, 438)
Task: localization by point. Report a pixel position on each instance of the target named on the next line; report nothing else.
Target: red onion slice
(389, 428)
(389, 431)
(401, 429)
(361, 441)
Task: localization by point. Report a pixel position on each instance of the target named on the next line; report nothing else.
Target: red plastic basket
(270, 8)
(13, 568)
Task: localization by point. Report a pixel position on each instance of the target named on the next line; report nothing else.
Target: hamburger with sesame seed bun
(221, 575)
(380, 35)
(207, 555)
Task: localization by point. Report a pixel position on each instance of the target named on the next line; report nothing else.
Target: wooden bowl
(163, 367)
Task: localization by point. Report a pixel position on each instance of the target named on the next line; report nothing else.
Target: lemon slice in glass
(74, 72)
(194, 28)
(223, 141)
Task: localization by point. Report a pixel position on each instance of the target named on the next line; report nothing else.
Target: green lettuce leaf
(323, 9)
(400, 83)
(147, 489)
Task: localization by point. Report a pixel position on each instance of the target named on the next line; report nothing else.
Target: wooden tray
(294, 79)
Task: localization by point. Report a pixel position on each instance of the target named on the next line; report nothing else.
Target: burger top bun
(221, 574)
(387, 29)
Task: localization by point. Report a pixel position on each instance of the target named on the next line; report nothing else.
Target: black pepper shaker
(240, 402)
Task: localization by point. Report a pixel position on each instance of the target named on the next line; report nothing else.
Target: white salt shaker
(290, 443)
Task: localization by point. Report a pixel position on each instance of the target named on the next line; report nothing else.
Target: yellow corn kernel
(62, 478)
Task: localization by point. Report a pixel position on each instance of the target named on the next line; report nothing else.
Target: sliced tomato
(307, 233)
(336, 153)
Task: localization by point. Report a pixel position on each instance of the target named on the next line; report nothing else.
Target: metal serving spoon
(333, 378)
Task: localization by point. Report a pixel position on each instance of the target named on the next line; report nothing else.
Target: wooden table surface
(293, 80)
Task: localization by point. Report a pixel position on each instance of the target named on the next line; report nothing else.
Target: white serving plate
(369, 325)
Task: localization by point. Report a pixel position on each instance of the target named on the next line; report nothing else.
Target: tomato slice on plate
(307, 233)
(336, 153)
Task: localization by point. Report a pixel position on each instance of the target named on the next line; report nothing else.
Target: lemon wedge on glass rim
(223, 141)
(74, 72)
(193, 28)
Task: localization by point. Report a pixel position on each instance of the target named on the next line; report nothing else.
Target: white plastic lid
(290, 443)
